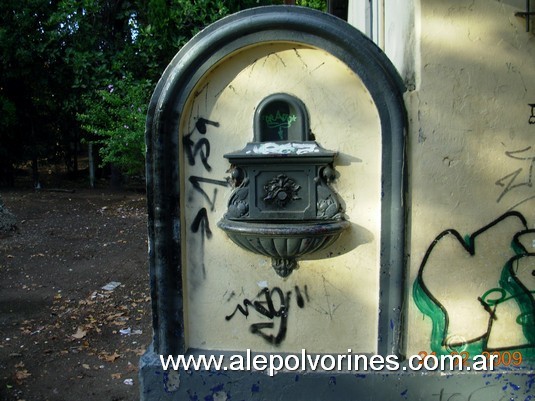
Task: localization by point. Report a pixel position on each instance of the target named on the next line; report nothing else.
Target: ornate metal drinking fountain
(282, 204)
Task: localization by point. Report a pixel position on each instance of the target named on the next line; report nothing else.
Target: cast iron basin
(284, 242)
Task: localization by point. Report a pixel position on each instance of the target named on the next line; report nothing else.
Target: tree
(27, 80)
(116, 118)
(114, 114)
(8, 221)
(85, 69)
(320, 5)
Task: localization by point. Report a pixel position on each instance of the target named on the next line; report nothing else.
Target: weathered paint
(512, 385)
(471, 158)
(342, 296)
(470, 244)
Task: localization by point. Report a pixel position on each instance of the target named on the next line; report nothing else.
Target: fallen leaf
(109, 357)
(136, 351)
(120, 322)
(86, 366)
(114, 316)
(116, 375)
(21, 375)
(80, 333)
(91, 319)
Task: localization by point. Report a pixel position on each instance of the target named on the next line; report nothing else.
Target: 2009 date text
(505, 358)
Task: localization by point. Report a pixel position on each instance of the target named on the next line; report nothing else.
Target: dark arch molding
(255, 26)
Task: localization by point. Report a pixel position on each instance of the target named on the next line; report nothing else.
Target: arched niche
(165, 159)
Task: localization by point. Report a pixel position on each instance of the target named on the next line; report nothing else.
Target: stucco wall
(471, 152)
(471, 160)
(332, 299)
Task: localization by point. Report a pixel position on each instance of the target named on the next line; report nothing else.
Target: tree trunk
(8, 221)
(35, 173)
(91, 161)
(116, 178)
(35, 163)
(76, 146)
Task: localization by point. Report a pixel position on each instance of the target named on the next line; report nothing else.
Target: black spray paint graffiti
(272, 304)
(532, 116)
(494, 269)
(201, 148)
(519, 179)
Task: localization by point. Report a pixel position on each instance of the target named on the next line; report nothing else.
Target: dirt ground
(63, 336)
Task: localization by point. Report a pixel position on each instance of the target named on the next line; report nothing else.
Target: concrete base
(226, 385)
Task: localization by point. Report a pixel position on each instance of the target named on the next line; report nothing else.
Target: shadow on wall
(348, 241)
(472, 159)
(473, 114)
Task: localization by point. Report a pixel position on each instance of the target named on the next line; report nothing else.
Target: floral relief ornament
(281, 190)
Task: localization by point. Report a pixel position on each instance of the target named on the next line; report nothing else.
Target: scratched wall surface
(472, 199)
(234, 300)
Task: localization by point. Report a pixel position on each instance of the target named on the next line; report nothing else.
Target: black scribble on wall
(519, 179)
(202, 146)
(272, 304)
(201, 149)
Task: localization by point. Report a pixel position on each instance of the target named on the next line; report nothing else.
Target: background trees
(74, 72)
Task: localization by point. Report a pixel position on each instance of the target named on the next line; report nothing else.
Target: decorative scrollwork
(328, 204)
(238, 205)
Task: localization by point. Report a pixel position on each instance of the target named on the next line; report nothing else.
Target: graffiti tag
(521, 178)
(201, 149)
(272, 304)
(493, 270)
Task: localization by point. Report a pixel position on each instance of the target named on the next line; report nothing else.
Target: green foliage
(166, 26)
(320, 5)
(32, 82)
(58, 57)
(116, 118)
(8, 137)
(8, 112)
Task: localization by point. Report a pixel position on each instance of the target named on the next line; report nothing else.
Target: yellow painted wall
(333, 296)
(471, 159)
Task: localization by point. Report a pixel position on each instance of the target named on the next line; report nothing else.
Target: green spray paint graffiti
(479, 290)
(280, 121)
